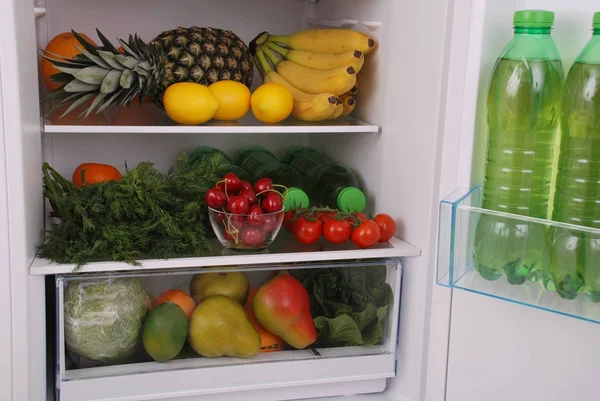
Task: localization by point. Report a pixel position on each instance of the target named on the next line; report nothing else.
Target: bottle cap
(351, 199)
(534, 18)
(295, 199)
(596, 20)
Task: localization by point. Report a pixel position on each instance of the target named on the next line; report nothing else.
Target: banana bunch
(318, 66)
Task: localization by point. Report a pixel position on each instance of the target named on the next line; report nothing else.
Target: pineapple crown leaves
(105, 74)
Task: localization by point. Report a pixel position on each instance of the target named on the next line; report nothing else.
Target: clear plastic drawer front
(117, 338)
(535, 262)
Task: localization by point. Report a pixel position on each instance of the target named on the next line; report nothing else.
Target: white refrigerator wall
(499, 350)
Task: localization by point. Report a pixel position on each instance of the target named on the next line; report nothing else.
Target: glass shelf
(151, 120)
(518, 258)
(285, 249)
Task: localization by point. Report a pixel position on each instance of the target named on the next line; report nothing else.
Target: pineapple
(107, 76)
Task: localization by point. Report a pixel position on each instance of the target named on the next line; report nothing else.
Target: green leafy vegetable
(148, 214)
(348, 304)
(103, 319)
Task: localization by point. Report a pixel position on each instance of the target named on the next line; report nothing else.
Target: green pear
(233, 285)
(220, 327)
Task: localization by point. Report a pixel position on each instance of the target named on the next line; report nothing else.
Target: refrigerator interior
(397, 166)
(493, 342)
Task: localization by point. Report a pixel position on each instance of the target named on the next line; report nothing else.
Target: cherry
(232, 183)
(256, 217)
(235, 223)
(264, 184)
(273, 202)
(250, 195)
(251, 236)
(238, 205)
(215, 198)
(270, 223)
(247, 186)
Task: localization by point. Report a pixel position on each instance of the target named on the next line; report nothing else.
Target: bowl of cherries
(245, 216)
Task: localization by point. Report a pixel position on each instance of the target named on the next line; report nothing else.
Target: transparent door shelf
(459, 215)
(338, 370)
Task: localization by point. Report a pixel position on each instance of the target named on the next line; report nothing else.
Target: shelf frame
(459, 214)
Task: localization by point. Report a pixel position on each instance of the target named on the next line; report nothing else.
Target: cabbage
(103, 318)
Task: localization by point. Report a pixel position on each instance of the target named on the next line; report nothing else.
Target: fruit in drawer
(234, 99)
(199, 55)
(189, 103)
(94, 173)
(220, 327)
(269, 342)
(272, 103)
(233, 285)
(334, 41)
(282, 307)
(165, 331)
(63, 45)
(179, 298)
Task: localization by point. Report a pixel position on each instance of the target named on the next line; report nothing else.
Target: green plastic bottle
(522, 113)
(575, 254)
(226, 166)
(326, 182)
(261, 163)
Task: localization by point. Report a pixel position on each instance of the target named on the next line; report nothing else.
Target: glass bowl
(234, 231)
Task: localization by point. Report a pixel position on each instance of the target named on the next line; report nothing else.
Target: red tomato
(387, 226)
(325, 217)
(307, 232)
(361, 216)
(337, 231)
(287, 220)
(366, 235)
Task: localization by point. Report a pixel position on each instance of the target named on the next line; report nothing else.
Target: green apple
(233, 285)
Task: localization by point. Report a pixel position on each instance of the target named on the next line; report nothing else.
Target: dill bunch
(148, 214)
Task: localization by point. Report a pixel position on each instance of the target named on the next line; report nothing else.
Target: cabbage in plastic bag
(104, 317)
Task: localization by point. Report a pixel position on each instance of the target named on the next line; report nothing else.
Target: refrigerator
(417, 144)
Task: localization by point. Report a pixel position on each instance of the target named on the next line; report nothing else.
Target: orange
(95, 173)
(179, 298)
(63, 45)
(269, 342)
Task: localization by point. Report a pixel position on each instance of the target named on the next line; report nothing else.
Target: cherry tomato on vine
(307, 232)
(326, 216)
(337, 231)
(387, 226)
(287, 220)
(366, 235)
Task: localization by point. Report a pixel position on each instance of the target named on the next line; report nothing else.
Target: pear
(233, 285)
(220, 327)
(282, 307)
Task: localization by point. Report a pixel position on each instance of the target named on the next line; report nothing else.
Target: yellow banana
(349, 103)
(337, 80)
(320, 61)
(353, 91)
(339, 109)
(332, 41)
(307, 107)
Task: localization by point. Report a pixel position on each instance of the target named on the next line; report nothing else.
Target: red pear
(283, 308)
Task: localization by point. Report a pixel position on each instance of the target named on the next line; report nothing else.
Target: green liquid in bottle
(523, 108)
(575, 253)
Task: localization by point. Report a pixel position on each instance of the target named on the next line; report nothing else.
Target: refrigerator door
(21, 207)
(497, 350)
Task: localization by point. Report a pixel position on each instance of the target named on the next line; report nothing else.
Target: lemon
(234, 98)
(189, 103)
(272, 103)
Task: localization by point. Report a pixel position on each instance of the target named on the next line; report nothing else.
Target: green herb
(148, 214)
(348, 304)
